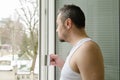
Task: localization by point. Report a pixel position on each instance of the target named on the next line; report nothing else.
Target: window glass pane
(102, 25)
(19, 39)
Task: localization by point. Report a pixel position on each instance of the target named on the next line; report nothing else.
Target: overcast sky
(7, 8)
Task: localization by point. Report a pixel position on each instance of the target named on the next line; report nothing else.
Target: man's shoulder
(89, 45)
(89, 60)
(88, 50)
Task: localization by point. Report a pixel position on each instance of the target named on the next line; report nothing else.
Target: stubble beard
(61, 40)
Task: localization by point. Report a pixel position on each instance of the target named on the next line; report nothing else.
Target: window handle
(47, 60)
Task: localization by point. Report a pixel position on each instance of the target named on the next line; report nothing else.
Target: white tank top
(67, 73)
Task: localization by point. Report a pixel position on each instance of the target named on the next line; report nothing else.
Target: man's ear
(68, 23)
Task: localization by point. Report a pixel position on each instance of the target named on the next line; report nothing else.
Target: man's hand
(56, 61)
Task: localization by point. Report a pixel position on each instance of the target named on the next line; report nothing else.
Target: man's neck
(76, 36)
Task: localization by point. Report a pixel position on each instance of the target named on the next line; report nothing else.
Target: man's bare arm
(90, 62)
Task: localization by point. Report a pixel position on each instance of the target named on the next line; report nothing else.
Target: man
(85, 61)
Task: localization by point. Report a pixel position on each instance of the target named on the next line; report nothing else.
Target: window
(19, 39)
(102, 25)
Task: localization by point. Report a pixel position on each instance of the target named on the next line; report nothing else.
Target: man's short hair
(74, 13)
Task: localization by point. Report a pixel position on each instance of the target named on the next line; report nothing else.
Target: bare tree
(11, 32)
(28, 13)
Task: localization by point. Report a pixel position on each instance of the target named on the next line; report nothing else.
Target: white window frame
(47, 38)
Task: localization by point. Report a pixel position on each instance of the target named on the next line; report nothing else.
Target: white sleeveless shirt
(67, 73)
